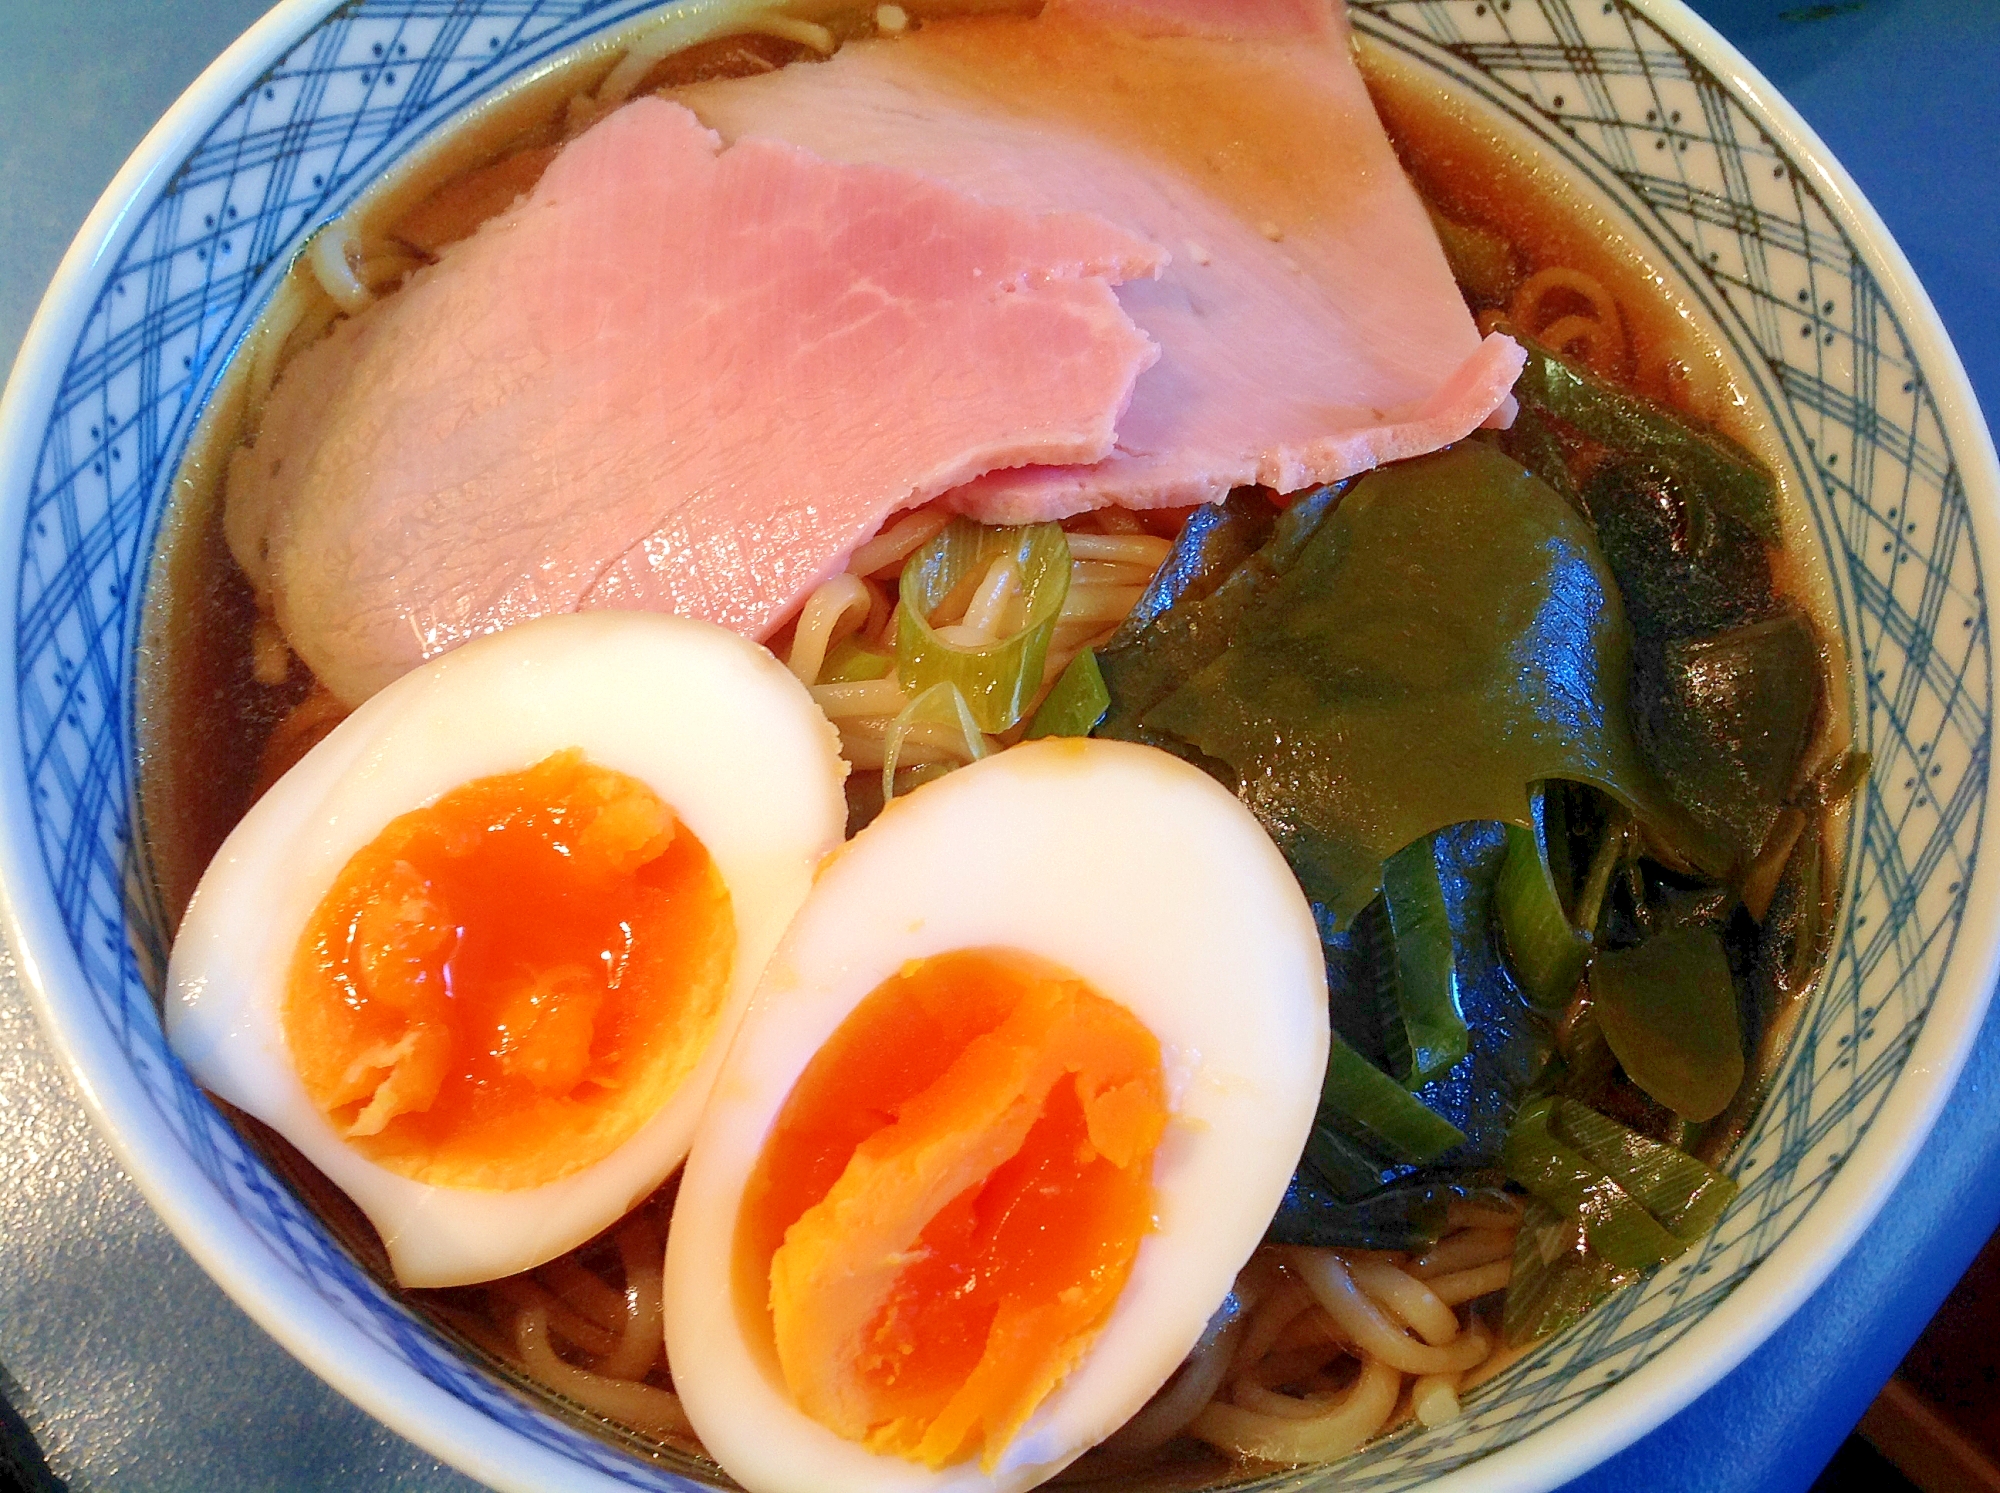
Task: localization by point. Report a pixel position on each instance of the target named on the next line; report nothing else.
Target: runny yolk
(503, 986)
(950, 1203)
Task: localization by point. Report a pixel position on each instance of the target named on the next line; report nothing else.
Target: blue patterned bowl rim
(1839, 1145)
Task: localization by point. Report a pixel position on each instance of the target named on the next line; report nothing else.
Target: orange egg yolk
(950, 1202)
(503, 986)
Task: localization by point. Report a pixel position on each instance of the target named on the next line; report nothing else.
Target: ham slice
(1309, 327)
(674, 377)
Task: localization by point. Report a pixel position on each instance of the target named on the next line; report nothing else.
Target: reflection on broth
(1515, 1121)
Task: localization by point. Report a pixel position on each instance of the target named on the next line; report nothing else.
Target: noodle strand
(1352, 1420)
(835, 609)
(1408, 1299)
(656, 1412)
(1326, 1275)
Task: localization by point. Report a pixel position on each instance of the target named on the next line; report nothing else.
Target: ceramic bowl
(1694, 159)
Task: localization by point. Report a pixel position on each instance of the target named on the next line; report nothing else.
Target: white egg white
(1151, 882)
(712, 723)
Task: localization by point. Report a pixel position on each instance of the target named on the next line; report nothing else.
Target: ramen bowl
(1639, 107)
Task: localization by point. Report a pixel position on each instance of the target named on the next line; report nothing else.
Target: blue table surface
(135, 1371)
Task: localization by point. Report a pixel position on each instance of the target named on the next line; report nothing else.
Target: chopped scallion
(995, 680)
(1683, 1194)
(1547, 953)
(940, 705)
(1075, 704)
(1358, 1091)
(1616, 1225)
(1432, 1026)
(848, 662)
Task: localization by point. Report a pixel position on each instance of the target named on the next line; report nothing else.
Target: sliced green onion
(1604, 863)
(1557, 1277)
(1361, 1093)
(1547, 953)
(1668, 1009)
(995, 681)
(1838, 782)
(1615, 1223)
(1346, 1166)
(1683, 1194)
(1077, 702)
(940, 705)
(1427, 998)
(848, 662)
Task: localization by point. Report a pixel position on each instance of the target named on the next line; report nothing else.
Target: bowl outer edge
(232, 1254)
(467, 1439)
(1790, 1274)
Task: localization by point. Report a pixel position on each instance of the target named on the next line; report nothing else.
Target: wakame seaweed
(1408, 1214)
(1544, 682)
(1447, 637)
(1727, 677)
(1225, 558)
(1731, 479)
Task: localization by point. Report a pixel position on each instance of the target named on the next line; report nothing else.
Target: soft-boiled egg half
(1014, 1102)
(479, 954)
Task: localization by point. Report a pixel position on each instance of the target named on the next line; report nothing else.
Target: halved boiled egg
(479, 954)
(1016, 1099)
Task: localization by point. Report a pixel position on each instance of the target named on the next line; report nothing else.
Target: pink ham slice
(1308, 325)
(674, 377)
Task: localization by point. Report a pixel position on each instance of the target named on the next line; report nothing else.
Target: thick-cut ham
(674, 377)
(1309, 327)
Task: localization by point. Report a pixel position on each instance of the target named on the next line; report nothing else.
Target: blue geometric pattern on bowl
(1701, 187)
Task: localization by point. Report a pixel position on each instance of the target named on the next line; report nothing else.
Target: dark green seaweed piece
(1557, 1277)
(1668, 1010)
(1728, 477)
(1407, 1215)
(1684, 569)
(1448, 636)
(1537, 444)
(1204, 587)
(1429, 1023)
(1731, 719)
(1716, 698)
(1216, 539)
